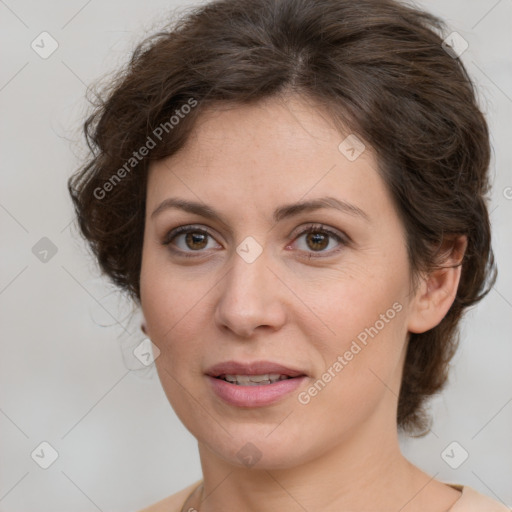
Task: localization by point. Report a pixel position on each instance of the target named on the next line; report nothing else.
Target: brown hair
(380, 69)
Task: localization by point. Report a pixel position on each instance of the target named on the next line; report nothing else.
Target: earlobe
(438, 289)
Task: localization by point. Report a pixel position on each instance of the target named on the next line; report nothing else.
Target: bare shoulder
(472, 501)
(174, 502)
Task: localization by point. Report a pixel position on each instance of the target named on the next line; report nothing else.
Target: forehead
(271, 120)
(274, 151)
(279, 128)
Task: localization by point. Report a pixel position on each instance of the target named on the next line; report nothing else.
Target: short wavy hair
(382, 71)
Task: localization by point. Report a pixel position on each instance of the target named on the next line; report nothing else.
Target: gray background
(67, 374)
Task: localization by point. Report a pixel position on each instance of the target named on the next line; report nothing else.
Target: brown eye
(196, 240)
(317, 239)
(188, 239)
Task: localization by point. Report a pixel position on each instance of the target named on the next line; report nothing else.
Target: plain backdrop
(68, 376)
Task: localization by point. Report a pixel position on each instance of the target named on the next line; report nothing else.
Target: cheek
(173, 303)
(171, 307)
(166, 293)
(350, 301)
(167, 311)
(159, 301)
(366, 313)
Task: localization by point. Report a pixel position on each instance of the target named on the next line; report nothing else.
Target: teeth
(254, 380)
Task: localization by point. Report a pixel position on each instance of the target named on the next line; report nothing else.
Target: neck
(365, 472)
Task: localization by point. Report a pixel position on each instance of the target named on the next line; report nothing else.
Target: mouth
(259, 372)
(254, 384)
(254, 380)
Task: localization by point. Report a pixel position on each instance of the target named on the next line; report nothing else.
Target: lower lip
(254, 396)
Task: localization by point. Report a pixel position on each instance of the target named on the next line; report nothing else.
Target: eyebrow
(283, 212)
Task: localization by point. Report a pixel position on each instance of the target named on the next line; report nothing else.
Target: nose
(250, 298)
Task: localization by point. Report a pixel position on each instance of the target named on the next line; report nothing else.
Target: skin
(293, 305)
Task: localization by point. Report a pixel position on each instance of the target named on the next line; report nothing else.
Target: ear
(143, 327)
(437, 290)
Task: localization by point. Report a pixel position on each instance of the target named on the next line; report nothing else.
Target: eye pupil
(193, 238)
(316, 239)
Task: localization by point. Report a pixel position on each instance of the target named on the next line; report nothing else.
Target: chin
(252, 447)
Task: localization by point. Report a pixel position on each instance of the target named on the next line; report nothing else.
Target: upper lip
(252, 368)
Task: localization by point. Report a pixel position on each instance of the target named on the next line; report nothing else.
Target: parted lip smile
(254, 368)
(253, 384)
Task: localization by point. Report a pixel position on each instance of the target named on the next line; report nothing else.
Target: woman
(294, 192)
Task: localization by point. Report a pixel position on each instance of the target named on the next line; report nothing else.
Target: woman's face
(250, 285)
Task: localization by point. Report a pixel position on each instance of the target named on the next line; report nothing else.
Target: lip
(253, 396)
(252, 368)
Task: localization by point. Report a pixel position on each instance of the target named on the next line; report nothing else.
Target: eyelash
(317, 228)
